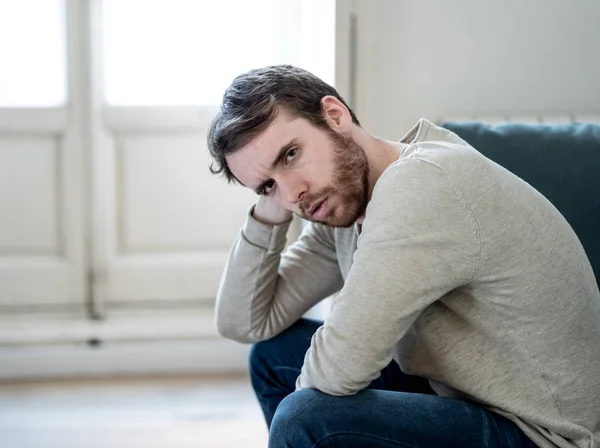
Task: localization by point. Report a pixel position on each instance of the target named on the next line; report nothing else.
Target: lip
(321, 210)
(314, 206)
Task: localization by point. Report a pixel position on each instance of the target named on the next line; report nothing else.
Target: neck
(380, 154)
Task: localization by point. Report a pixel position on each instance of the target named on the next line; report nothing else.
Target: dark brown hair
(252, 102)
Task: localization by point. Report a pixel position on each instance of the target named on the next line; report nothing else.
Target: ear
(336, 114)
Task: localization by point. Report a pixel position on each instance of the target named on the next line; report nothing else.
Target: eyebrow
(280, 155)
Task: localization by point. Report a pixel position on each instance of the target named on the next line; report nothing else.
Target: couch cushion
(560, 161)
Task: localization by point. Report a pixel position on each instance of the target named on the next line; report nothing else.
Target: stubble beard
(350, 183)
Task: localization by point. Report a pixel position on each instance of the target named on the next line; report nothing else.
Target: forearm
(250, 280)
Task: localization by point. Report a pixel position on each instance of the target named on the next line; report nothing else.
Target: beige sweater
(463, 273)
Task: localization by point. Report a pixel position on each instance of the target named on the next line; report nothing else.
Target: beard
(350, 183)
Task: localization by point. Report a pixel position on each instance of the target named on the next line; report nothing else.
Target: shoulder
(437, 146)
(416, 190)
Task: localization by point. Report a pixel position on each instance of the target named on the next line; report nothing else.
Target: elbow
(229, 329)
(241, 334)
(230, 324)
(232, 334)
(237, 325)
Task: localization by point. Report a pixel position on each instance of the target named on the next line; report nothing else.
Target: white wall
(437, 57)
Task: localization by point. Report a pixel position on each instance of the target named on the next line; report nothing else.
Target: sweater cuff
(265, 236)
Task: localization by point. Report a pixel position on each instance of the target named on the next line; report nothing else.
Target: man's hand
(268, 212)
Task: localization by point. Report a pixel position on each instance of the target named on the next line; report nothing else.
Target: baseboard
(129, 342)
(118, 326)
(211, 355)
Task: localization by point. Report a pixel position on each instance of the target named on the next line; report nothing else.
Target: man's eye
(267, 189)
(290, 155)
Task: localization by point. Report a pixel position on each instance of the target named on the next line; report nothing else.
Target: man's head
(285, 133)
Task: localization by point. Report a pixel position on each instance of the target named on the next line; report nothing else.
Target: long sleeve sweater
(463, 274)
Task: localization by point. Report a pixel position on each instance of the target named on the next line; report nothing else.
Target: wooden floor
(149, 413)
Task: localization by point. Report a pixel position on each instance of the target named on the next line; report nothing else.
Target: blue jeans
(396, 410)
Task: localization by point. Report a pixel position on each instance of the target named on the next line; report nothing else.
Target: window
(181, 52)
(32, 73)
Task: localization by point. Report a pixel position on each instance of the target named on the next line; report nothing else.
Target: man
(467, 316)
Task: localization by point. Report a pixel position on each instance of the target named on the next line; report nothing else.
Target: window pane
(318, 38)
(169, 52)
(32, 53)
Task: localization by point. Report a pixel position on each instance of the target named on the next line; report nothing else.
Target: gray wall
(433, 58)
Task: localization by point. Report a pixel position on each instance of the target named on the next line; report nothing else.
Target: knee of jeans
(261, 352)
(296, 415)
(261, 359)
(257, 355)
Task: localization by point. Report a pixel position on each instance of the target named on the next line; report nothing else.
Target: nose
(292, 189)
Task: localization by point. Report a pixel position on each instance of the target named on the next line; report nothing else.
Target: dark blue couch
(560, 161)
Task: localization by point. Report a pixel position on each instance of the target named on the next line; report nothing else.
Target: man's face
(318, 174)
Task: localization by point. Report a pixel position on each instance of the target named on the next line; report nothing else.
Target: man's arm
(263, 291)
(419, 241)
